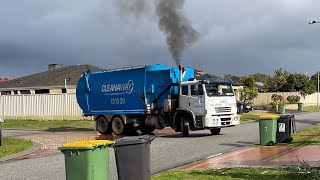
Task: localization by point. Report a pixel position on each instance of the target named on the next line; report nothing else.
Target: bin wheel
(117, 125)
(289, 140)
(103, 126)
(271, 143)
(215, 131)
(185, 127)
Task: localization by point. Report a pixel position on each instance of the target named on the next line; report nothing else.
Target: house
(56, 80)
(5, 79)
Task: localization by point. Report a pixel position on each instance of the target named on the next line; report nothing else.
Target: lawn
(240, 173)
(44, 125)
(309, 136)
(12, 146)
(311, 108)
(248, 117)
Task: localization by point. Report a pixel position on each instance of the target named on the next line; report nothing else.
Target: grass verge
(248, 117)
(44, 125)
(311, 108)
(12, 146)
(309, 136)
(239, 173)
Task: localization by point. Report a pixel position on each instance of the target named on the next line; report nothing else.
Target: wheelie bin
(285, 125)
(133, 157)
(282, 109)
(268, 129)
(87, 160)
(300, 106)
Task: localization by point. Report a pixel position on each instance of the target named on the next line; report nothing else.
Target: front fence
(265, 98)
(65, 106)
(40, 106)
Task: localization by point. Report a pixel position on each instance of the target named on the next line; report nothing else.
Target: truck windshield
(219, 89)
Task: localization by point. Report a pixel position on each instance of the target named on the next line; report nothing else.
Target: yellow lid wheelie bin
(268, 130)
(87, 160)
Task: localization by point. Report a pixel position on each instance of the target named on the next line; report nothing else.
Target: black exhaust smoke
(171, 21)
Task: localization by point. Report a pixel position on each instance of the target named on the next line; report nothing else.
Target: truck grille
(225, 119)
(223, 109)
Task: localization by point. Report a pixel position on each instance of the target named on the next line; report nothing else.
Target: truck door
(184, 97)
(196, 100)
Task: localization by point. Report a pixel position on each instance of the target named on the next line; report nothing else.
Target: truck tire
(185, 127)
(103, 126)
(215, 131)
(117, 125)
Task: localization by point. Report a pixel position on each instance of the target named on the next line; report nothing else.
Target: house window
(25, 92)
(6, 93)
(42, 91)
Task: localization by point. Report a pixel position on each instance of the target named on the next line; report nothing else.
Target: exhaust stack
(182, 73)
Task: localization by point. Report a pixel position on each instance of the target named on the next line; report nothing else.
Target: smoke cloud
(179, 32)
(135, 8)
(171, 21)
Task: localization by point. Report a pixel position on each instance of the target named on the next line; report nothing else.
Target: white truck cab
(211, 102)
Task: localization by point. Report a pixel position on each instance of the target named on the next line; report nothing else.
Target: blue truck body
(128, 90)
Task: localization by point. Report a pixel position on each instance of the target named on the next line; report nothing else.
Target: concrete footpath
(280, 155)
(264, 156)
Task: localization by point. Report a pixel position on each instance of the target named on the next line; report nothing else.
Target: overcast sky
(236, 37)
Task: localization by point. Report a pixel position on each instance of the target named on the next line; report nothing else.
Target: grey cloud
(237, 37)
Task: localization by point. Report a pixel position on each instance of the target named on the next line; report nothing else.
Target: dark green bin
(282, 109)
(87, 160)
(268, 130)
(300, 106)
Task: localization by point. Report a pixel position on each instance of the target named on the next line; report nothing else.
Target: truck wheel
(185, 128)
(215, 131)
(117, 126)
(102, 125)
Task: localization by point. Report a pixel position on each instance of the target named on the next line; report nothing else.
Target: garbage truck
(153, 97)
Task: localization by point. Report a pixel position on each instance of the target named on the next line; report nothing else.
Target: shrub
(293, 99)
(277, 98)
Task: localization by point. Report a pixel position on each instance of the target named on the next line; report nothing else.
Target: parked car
(243, 107)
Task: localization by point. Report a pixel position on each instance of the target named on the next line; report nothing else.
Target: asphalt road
(166, 152)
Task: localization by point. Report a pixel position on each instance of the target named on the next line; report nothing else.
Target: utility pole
(314, 22)
(318, 91)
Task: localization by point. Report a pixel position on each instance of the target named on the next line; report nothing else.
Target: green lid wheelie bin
(282, 109)
(87, 160)
(268, 129)
(300, 106)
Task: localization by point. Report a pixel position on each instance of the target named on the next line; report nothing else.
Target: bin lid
(134, 140)
(87, 144)
(269, 116)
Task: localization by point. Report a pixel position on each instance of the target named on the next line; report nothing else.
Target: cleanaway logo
(118, 88)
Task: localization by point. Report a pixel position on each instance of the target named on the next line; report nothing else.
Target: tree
(249, 92)
(260, 77)
(314, 80)
(275, 84)
(295, 82)
(249, 81)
